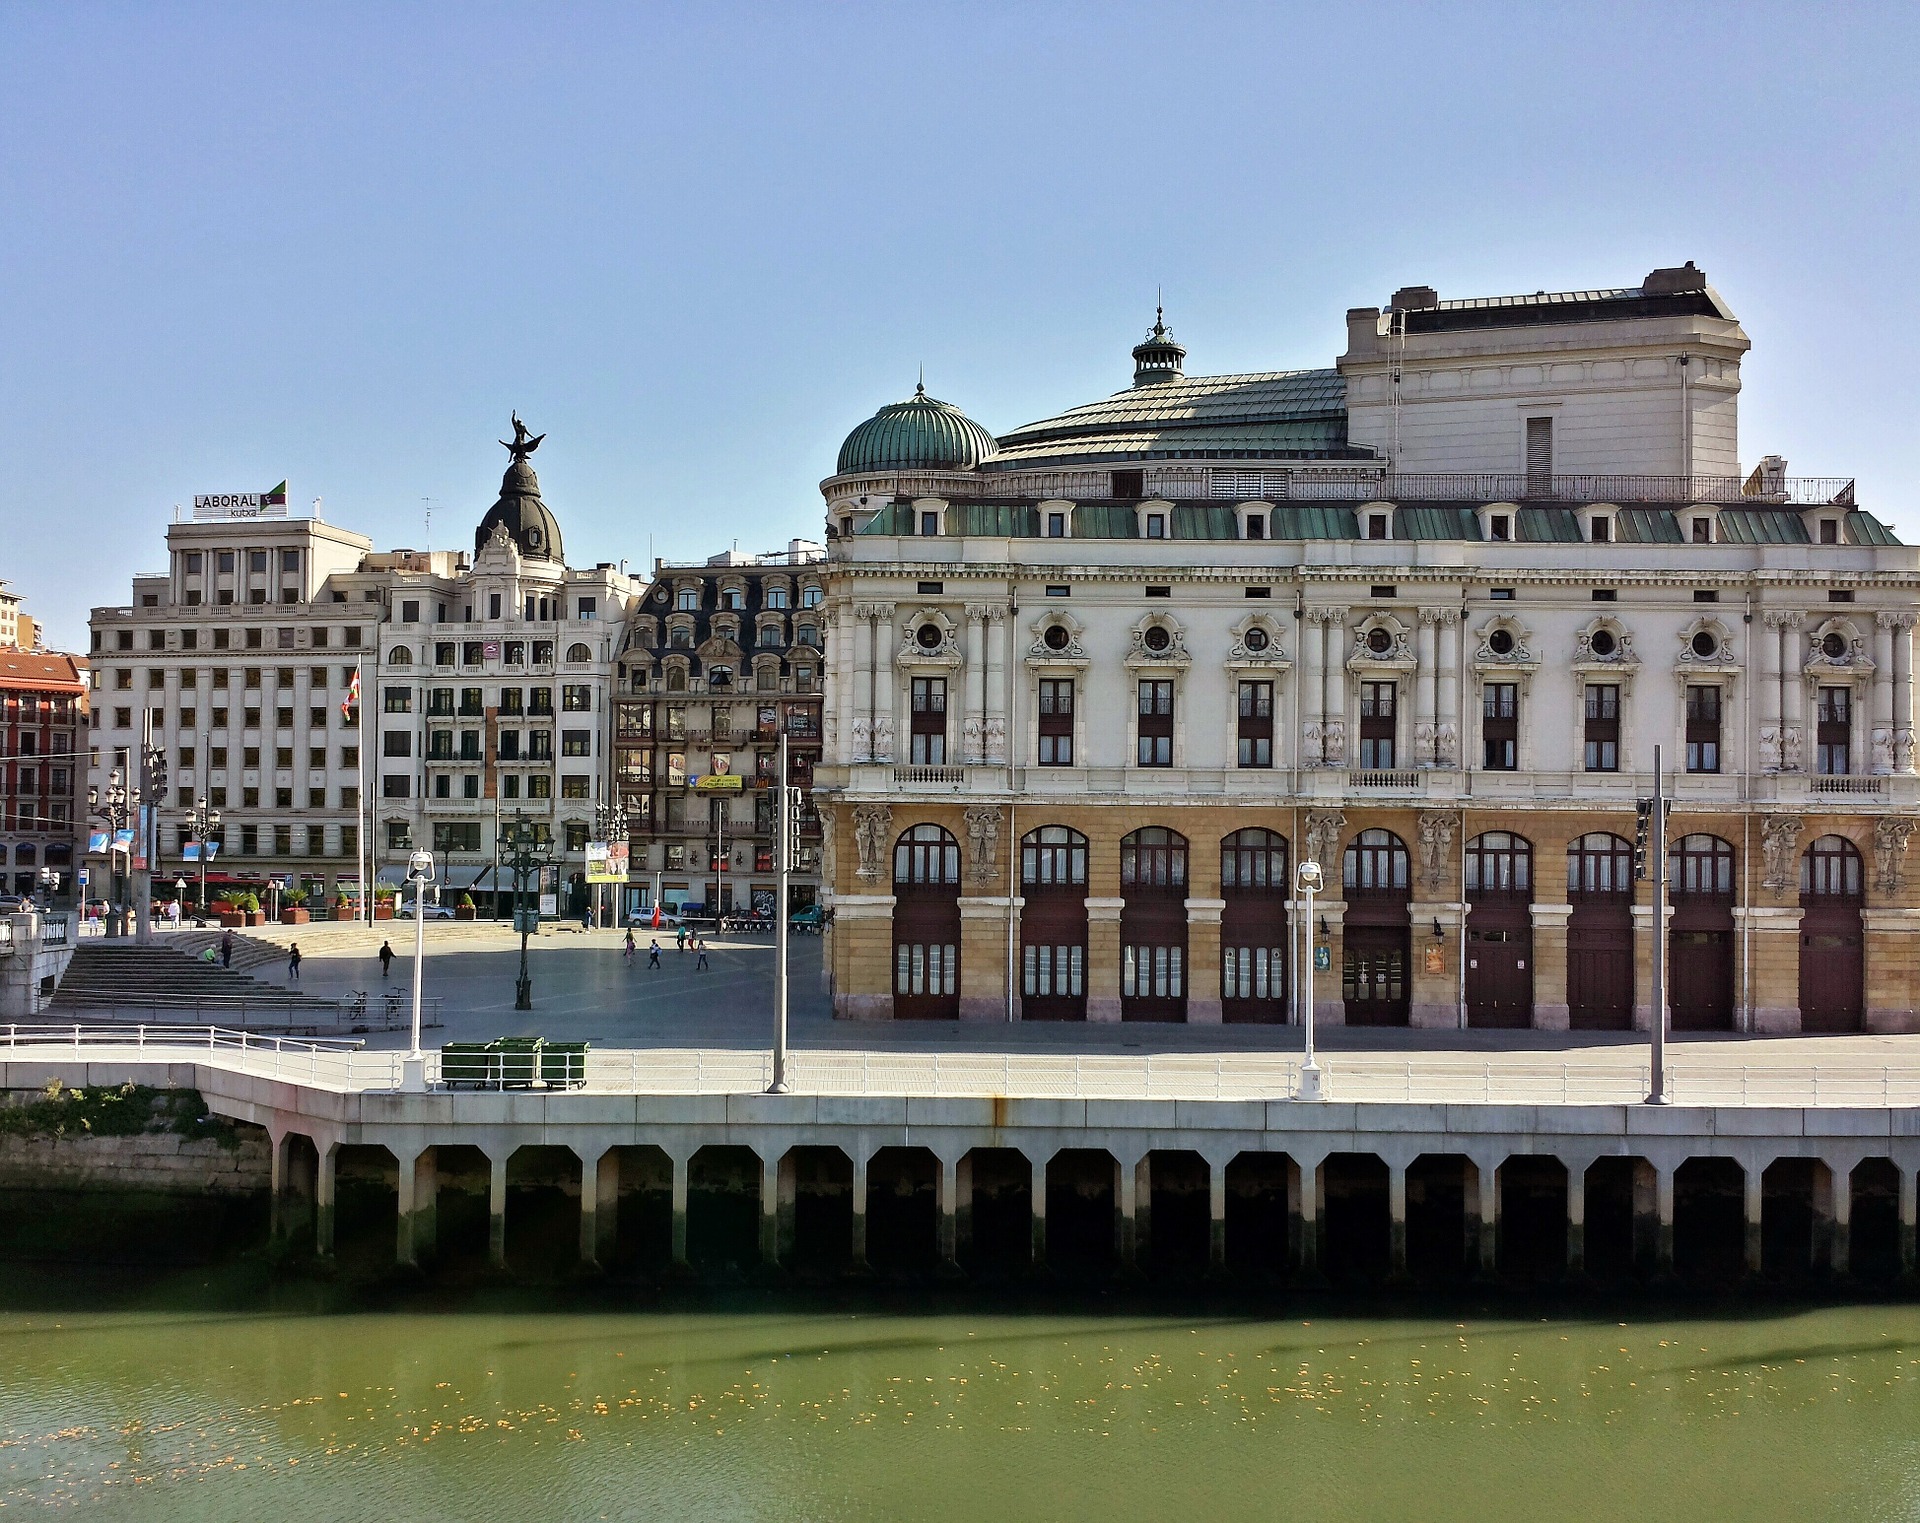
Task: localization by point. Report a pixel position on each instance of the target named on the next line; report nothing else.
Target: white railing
(1849, 785)
(1407, 780)
(940, 775)
(1365, 1078)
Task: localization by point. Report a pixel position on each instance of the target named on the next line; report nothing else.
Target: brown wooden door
(1153, 925)
(1053, 925)
(1600, 973)
(1254, 933)
(1700, 978)
(926, 925)
(1833, 983)
(1499, 970)
(1376, 975)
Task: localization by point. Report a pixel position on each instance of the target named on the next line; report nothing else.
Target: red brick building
(43, 735)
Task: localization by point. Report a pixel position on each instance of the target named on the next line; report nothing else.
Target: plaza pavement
(583, 990)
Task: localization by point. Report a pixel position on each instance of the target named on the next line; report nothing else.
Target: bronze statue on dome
(524, 444)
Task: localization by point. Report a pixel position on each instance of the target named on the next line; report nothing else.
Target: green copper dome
(919, 434)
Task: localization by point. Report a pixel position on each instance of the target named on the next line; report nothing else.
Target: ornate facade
(1097, 686)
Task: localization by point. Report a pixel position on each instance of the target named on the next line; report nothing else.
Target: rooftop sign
(271, 504)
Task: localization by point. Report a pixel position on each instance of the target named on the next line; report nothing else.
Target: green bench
(513, 1062)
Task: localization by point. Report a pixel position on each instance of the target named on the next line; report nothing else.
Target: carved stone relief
(1890, 838)
(983, 842)
(872, 830)
(1779, 843)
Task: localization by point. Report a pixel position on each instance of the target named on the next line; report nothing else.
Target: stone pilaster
(1203, 961)
(1551, 1011)
(983, 958)
(1436, 996)
(1103, 959)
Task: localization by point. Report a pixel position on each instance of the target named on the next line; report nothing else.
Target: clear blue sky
(696, 244)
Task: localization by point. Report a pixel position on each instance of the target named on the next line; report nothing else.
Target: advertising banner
(607, 861)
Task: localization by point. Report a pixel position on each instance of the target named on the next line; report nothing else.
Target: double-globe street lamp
(115, 804)
(201, 824)
(526, 854)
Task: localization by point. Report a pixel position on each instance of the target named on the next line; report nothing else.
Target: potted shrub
(383, 895)
(342, 908)
(294, 911)
(249, 907)
(464, 910)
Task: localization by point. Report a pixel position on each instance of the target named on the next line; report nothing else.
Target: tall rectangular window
(1603, 727)
(1703, 729)
(1500, 726)
(1835, 735)
(1377, 708)
(1256, 724)
(1056, 721)
(1156, 723)
(929, 743)
(1539, 454)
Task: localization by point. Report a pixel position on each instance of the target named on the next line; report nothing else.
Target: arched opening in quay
(366, 1208)
(1355, 1219)
(1441, 1189)
(997, 1197)
(1617, 1236)
(822, 1194)
(543, 1211)
(643, 1211)
(1262, 1203)
(1874, 1233)
(1533, 1218)
(1175, 1214)
(1709, 1221)
(462, 1186)
(1796, 1215)
(723, 1210)
(903, 1210)
(1082, 1205)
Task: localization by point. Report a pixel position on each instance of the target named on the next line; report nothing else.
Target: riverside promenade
(1552, 1160)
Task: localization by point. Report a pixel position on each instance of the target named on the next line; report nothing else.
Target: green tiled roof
(1762, 526)
(1104, 520)
(1007, 520)
(1646, 526)
(1428, 521)
(1547, 526)
(1209, 522)
(1313, 521)
(1865, 529)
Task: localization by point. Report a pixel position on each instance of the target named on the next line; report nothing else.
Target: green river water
(209, 1401)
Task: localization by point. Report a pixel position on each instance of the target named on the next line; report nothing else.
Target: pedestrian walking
(700, 963)
(629, 952)
(226, 949)
(293, 963)
(173, 913)
(653, 955)
(386, 957)
(586, 920)
(679, 938)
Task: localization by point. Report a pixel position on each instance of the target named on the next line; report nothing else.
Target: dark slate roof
(1299, 414)
(1561, 307)
(1761, 525)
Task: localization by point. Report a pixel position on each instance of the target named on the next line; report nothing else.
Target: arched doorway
(1053, 925)
(1375, 981)
(1254, 965)
(1700, 935)
(1600, 933)
(1499, 930)
(1153, 925)
(926, 925)
(1832, 943)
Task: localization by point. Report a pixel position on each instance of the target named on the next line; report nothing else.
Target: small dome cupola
(1159, 357)
(529, 522)
(919, 434)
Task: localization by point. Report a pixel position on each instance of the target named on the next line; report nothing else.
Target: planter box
(343, 912)
(383, 910)
(464, 912)
(233, 920)
(295, 916)
(257, 917)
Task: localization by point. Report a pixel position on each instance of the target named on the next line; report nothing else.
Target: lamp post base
(523, 994)
(413, 1076)
(1312, 1086)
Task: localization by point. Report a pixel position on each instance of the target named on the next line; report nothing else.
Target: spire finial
(920, 387)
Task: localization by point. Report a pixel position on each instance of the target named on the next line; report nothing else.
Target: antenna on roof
(427, 534)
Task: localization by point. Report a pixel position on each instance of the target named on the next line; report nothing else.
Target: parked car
(438, 912)
(810, 921)
(642, 920)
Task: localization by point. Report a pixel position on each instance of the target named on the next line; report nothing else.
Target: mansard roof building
(1099, 683)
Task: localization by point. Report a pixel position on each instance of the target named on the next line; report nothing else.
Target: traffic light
(1642, 835)
(157, 773)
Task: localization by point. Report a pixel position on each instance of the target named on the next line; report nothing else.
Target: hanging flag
(353, 696)
(277, 498)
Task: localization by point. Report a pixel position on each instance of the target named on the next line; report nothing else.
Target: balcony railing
(1406, 780)
(936, 775)
(1359, 482)
(1849, 785)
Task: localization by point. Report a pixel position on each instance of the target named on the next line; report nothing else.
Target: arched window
(1254, 861)
(1053, 857)
(1600, 866)
(578, 652)
(811, 597)
(1700, 867)
(399, 656)
(1499, 864)
(1376, 864)
(1831, 869)
(1154, 858)
(926, 855)
(776, 597)
(676, 679)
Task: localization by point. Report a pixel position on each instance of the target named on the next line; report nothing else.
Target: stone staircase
(167, 981)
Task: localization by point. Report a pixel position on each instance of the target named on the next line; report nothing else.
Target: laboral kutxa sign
(270, 504)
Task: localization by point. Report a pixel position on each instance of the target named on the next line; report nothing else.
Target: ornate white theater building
(1096, 686)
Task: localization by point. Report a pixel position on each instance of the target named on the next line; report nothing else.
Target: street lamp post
(115, 804)
(419, 874)
(783, 844)
(201, 824)
(526, 856)
(1309, 880)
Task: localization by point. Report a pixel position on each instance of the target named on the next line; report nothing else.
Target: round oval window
(1500, 642)
(1834, 647)
(1379, 641)
(1603, 643)
(1256, 638)
(1056, 637)
(929, 636)
(1156, 639)
(1704, 644)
